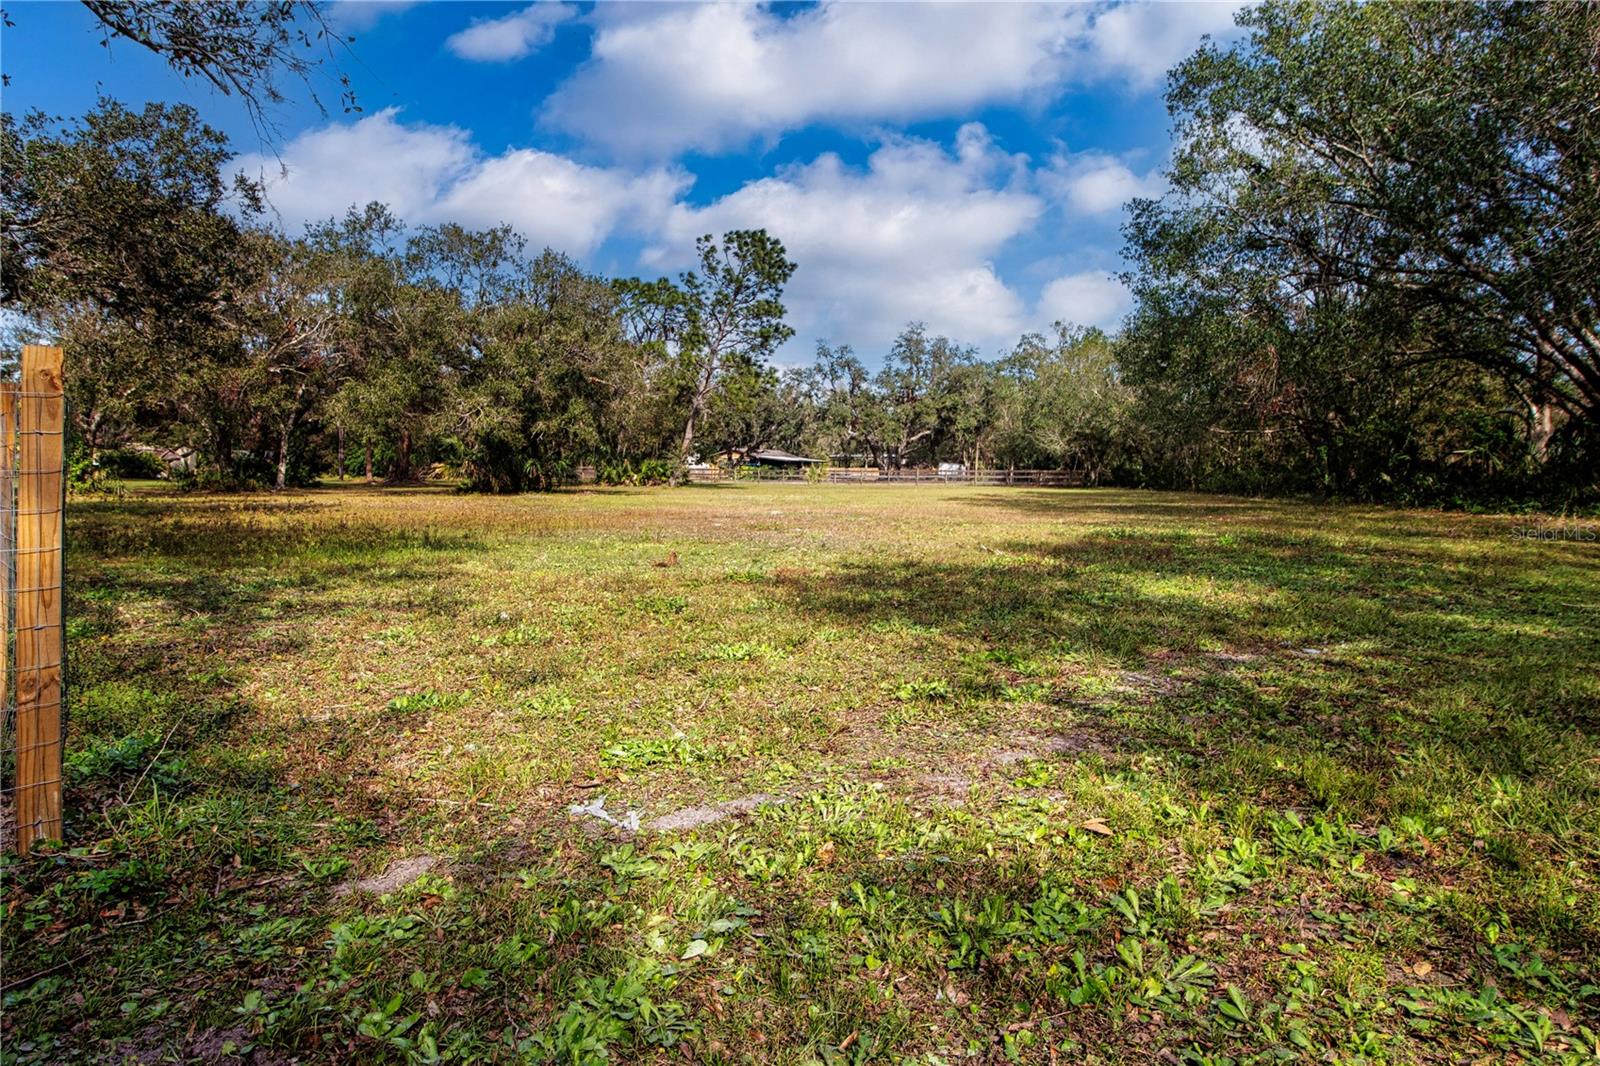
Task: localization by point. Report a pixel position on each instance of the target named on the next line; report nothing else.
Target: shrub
(624, 472)
(129, 463)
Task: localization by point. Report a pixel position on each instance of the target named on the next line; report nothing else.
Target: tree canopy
(1374, 276)
(1371, 203)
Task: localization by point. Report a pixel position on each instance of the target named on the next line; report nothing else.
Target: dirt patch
(1227, 659)
(397, 875)
(1148, 684)
(947, 784)
(695, 817)
(218, 1045)
(1078, 742)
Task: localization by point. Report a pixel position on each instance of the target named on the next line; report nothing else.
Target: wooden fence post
(39, 636)
(8, 527)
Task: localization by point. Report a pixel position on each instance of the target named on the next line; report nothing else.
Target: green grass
(970, 774)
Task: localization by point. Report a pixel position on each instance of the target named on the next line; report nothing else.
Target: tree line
(370, 348)
(1374, 276)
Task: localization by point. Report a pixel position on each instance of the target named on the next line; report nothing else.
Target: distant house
(772, 457)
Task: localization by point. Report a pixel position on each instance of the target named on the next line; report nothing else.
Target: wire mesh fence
(32, 572)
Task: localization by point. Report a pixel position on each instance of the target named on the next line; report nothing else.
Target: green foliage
(130, 463)
(628, 472)
(1374, 275)
(124, 208)
(614, 1013)
(1397, 355)
(413, 703)
(641, 752)
(137, 755)
(1235, 770)
(717, 324)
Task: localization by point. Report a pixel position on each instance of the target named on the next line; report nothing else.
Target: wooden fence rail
(32, 543)
(874, 476)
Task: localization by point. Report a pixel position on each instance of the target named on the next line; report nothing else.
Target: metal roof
(778, 455)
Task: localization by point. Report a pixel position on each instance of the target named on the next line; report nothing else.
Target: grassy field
(919, 775)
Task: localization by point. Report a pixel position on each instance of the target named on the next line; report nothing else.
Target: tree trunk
(1543, 412)
(697, 404)
(341, 452)
(401, 471)
(369, 462)
(688, 433)
(282, 479)
(287, 435)
(91, 437)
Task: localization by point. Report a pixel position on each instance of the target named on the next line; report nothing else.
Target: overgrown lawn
(920, 774)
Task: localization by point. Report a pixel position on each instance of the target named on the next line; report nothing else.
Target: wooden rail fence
(874, 476)
(32, 543)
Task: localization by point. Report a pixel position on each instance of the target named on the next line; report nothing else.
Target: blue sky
(962, 165)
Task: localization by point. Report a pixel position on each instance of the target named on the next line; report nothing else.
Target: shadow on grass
(1367, 655)
(227, 532)
(166, 607)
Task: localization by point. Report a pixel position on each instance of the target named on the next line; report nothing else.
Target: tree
(237, 48)
(1423, 172)
(1066, 403)
(913, 406)
(758, 407)
(846, 400)
(127, 210)
(528, 407)
(726, 317)
(648, 391)
(111, 373)
(290, 321)
(411, 319)
(917, 396)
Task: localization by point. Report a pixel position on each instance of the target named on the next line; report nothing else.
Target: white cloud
(512, 36)
(323, 172)
(430, 174)
(714, 75)
(1142, 41)
(1093, 183)
(555, 201)
(912, 236)
(666, 78)
(364, 14)
(1088, 298)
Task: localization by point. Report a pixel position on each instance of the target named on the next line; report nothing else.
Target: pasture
(920, 774)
